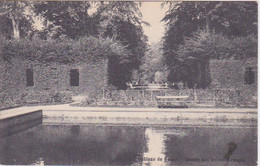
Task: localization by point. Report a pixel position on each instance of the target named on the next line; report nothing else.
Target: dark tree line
(199, 31)
(122, 21)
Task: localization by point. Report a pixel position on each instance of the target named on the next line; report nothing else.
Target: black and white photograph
(129, 83)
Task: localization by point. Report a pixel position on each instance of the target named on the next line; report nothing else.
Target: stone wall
(230, 74)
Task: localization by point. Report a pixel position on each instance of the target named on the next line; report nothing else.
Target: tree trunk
(207, 17)
(16, 31)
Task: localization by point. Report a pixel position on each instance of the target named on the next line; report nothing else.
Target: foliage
(152, 62)
(223, 98)
(16, 19)
(122, 21)
(197, 50)
(123, 11)
(183, 19)
(224, 17)
(63, 51)
(9, 100)
(159, 77)
(66, 19)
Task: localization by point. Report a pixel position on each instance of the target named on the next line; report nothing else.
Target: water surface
(130, 145)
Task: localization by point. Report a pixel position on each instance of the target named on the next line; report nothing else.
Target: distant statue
(159, 77)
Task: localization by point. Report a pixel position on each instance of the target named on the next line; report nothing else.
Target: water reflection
(154, 154)
(208, 146)
(74, 145)
(13, 129)
(129, 145)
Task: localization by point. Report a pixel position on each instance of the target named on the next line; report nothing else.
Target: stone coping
(67, 107)
(119, 115)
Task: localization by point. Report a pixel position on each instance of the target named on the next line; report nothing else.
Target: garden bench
(172, 101)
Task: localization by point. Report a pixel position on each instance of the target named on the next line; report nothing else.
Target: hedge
(63, 51)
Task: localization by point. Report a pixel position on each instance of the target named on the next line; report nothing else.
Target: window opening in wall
(74, 77)
(249, 76)
(29, 77)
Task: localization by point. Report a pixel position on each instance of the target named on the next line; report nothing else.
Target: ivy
(62, 51)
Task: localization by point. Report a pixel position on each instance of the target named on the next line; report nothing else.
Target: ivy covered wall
(51, 82)
(50, 64)
(230, 74)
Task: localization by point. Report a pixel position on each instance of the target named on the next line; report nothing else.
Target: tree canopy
(152, 63)
(198, 31)
(66, 19)
(122, 21)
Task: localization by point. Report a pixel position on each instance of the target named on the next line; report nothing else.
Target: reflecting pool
(130, 145)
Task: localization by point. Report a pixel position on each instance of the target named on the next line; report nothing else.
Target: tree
(185, 18)
(234, 18)
(152, 62)
(16, 19)
(122, 21)
(66, 19)
(202, 46)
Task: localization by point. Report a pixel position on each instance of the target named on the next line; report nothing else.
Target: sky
(153, 13)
